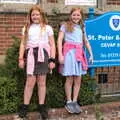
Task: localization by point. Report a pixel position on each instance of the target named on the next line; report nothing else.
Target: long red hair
(29, 20)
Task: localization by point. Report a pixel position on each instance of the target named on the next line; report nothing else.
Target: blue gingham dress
(71, 66)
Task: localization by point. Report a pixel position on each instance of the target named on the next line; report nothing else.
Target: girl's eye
(35, 14)
(76, 15)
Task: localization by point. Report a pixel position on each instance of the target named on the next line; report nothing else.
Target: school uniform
(75, 63)
(38, 49)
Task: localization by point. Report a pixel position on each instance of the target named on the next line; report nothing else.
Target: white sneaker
(69, 107)
(77, 108)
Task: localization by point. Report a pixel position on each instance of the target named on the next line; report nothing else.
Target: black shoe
(43, 110)
(22, 111)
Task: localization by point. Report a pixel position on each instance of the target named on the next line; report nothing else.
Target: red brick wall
(52, 1)
(10, 25)
(113, 73)
(113, 2)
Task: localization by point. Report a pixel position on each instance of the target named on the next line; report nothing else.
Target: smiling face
(76, 16)
(36, 17)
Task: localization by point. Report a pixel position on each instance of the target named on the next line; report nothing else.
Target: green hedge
(8, 95)
(12, 80)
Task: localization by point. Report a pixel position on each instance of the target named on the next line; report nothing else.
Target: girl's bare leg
(68, 87)
(30, 83)
(41, 82)
(76, 87)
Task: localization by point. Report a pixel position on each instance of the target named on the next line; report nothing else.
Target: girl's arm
(52, 47)
(21, 52)
(52, 53)
(21, 49)
(22, 44)
(88, 46)
(59, 46)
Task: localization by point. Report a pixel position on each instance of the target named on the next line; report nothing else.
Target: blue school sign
(103, 34)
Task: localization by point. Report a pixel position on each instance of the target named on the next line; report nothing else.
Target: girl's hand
(51, 65)
(61, 59)
(21, 63)
(91, 59)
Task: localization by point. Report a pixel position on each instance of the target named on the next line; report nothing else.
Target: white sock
(74, 100)
(69, 101)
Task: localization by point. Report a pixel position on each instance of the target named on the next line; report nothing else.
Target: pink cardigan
(79, 54)
(30, 57)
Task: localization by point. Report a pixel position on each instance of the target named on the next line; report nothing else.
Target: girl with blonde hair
(72, 57)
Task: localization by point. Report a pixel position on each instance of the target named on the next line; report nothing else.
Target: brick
(113, 2)
(10, 24)
(52, 1)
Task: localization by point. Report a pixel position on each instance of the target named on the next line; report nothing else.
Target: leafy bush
(11, 60)
(55, 89)
(3, 71)
(8, 95)
(88, 91)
